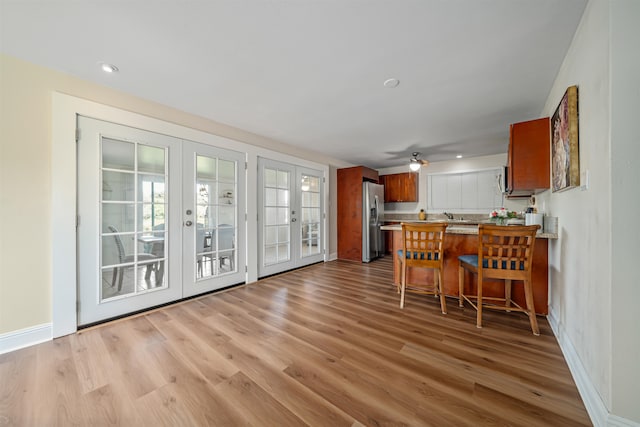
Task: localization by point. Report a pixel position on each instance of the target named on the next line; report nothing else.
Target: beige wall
(25, 175)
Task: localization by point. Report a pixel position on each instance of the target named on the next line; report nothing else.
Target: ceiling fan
(415, 163)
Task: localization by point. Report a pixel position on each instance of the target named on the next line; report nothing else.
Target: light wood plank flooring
(326, 345)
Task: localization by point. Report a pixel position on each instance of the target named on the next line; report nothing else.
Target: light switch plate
(584, 180)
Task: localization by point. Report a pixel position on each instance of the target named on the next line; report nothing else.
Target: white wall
(332, 249)
(593, 276)
(580, 292)
(625, 177)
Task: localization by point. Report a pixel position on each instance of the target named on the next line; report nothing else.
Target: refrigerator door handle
(377, 211)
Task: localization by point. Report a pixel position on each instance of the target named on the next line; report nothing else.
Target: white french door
(213, 218)
(158, 219)
(291, 216)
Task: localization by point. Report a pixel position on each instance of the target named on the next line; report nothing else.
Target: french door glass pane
(151, 188)
(133, 216)
(118, 154)
(283, 198)
(270, 197)
(270, 254)
(283, 179)
(277, 211)
(227, 171)
(118, 186)
(271, 216)
(283, 233)
(216, 212)
(227, 215)
(311, 214)
(151, 217)
(150, 159)
(283, 216)
(270, 235)
(206, 168)
(270, 178)
(283, 252)
(119, 216)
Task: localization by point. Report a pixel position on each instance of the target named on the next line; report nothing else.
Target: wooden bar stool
(422, 247)
(504, 252)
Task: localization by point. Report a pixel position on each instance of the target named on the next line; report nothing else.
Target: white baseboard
(25, 337)
(616, 421)
(333, 256)
(598, 412)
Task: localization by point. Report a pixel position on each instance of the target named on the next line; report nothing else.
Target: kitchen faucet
(448, 215)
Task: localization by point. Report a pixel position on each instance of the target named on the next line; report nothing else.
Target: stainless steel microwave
(504, 180)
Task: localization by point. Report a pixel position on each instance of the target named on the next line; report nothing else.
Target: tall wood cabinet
(400, 187)
(350, 210)
(529, 157)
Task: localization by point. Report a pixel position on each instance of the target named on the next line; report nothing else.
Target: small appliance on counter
(533, 219)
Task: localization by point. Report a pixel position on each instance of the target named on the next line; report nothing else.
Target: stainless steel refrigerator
(372, 214)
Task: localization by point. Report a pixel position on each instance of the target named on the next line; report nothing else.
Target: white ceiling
(309, 72)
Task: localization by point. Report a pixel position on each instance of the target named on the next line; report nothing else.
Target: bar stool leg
(531, 310)
(400, 266)
(479, 302)
(443, 302)
(403, 282)
(460, 286)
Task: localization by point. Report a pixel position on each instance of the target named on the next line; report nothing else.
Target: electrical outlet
(584, 180)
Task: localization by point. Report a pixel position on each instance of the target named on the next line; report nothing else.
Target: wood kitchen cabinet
(528, 161)
(350, 210)
(400, 187)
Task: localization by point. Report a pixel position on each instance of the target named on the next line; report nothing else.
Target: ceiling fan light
(108, 68)
(414, 165)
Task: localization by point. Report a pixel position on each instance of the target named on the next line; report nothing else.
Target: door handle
(293, 219)
(188, 223)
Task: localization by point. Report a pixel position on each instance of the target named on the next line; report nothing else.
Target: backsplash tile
(388, 216)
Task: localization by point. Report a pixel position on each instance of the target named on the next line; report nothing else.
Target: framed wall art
(565, 154)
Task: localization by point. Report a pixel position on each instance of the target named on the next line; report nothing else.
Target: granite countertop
(460, 227)
(453, 223)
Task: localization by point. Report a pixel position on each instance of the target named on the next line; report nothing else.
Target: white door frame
(63, 192)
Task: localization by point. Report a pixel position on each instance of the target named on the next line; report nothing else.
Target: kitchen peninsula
(461, 239)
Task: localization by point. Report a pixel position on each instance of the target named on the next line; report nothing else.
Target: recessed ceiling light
(391, 83)
(108, 68)
(459, 156)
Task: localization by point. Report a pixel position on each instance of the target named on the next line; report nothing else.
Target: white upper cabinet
(468, 191)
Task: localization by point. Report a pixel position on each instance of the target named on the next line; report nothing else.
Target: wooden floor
(327, 345)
